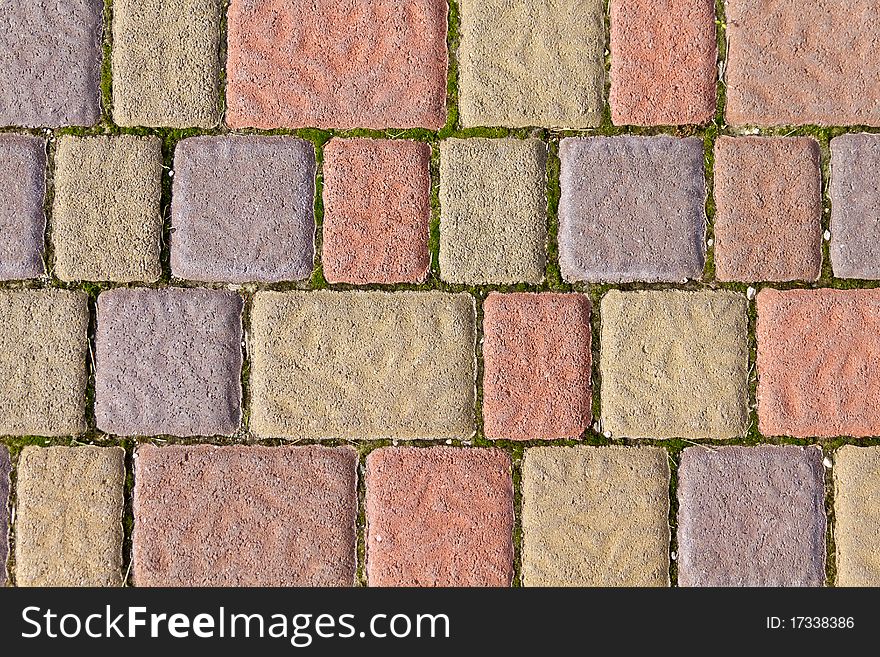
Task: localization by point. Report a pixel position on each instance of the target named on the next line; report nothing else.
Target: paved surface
(857, 515)
(5, 469)
(22, 218)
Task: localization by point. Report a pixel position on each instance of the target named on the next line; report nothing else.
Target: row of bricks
(631, 209)
(373, 365)
(442, 516)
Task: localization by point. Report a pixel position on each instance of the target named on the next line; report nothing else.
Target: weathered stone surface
(674, 364)
(242, 209)
(106, 216)
(5, 467)
(439, 516)
(244, 516)
(493, 204)
(362, 365)
(22, 218)
(857, 515)
(68, 520)
(751, 516)
(632, 209)
(168, 362)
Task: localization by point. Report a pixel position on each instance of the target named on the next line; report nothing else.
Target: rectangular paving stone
(674, 364)
(106, 214)
(168, 362)
(768, 209)
(536, 373)
(244, 516)
(43, 354)
(5, 468)
(796, 63)
(857, 515)
(337, 64)
(68, 516)
(632, 209)
(439, 516)
(362, 365)
(595, 516)
(817, 362)
(242, 209)
(663, 62)
(179, 88)
(377, 211)
(531, 64)
(22, 218)
(751, 516)
(51, 54)
(493, 205)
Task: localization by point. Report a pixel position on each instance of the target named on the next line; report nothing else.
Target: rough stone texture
(68, 520)
(663, 62)
(439, 516)
(768, 200)
(632, 209)
(168, 362)
(377, 211)
(243, 209)
(751, 516)
(22, 218)
(817, 358)
(857, 515)
(244, 516)
(43, 354)
(362, 365)
(855, 206)
(493, 204)
(536, 376)
(531, 64)
(595, 516)
(5, 468)
(674, 364)
(797, 63)
(336, 64)
(181, 87)
(50, 60)
(106, 216)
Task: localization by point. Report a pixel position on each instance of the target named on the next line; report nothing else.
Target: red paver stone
(536, 379)
(377, 211)
(337, 64)
(439, 516)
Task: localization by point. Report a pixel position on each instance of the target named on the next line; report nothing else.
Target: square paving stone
(632, 209)
(595, 516)
(439, 516)
(106, 216)
(5, 468)
(857, 515)
(180, 88)
(337, 64)
(362, 365)
(242, 209)
(22, 217)
(674, 364)
(536, 376)
(768, 199)
(68, 516)
(796, 63)
(377, 211)
(244, 516)
(531, 64)
(493, 205)
(43, 354)
(51, 62)
(751, 516)
(168, 362)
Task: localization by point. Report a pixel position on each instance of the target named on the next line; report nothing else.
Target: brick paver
(536, 376)
(768, 199)
(68, 520)
(751, 516)
(674, 364)
(22, 218)
(377, 211)
(857, 515)
(632, 209)
(5, 467)
(168, 362)
(439, 516)
(243, 209)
